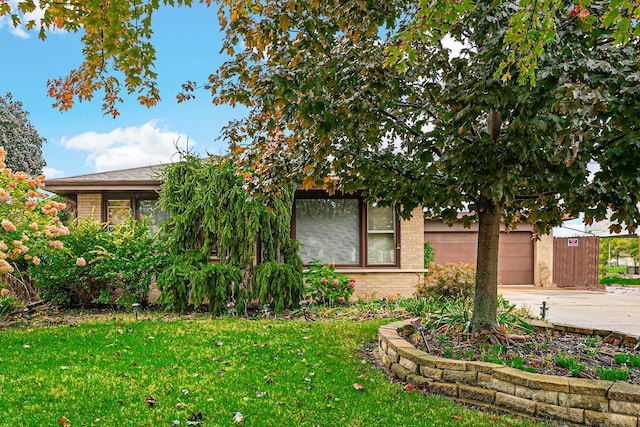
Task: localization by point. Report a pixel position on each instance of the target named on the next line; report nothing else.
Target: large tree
(350, 93)
(329, 108)
(20, 138)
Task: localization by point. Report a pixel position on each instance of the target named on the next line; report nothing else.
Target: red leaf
(358, 386)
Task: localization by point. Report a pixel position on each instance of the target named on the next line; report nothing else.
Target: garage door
(456, 244)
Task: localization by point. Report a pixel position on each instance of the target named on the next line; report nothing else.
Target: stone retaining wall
(577, 400)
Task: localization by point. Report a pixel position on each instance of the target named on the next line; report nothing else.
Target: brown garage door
(457, 244)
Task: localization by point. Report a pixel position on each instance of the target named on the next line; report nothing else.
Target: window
(344, 231)
(148, 209)
(381, 229)
(118, 211)
(120, 207)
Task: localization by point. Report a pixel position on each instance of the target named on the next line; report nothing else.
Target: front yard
(163, 372)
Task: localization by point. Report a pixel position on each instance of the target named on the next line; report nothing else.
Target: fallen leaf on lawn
(180, 405)
(358, 386)
(64, 368)
(456, 417)
(260, 393)
(26, 346)
(238, 418)
(329, 396)
(408, 387)
(64, 421)
(184, 391)
(151, 401)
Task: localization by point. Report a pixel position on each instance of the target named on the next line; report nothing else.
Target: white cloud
(130, 147)
(21, 30)
(51, 173)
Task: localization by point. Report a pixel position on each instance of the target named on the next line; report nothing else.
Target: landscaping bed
(541, 350)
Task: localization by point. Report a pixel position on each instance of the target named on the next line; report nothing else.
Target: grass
(158, 373)
(614, 280)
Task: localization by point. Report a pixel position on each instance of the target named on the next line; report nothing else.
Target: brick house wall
(89, 205)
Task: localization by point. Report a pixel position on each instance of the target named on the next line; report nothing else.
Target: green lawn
(276, 373)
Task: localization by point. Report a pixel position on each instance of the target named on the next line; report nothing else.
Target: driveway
(618, 309)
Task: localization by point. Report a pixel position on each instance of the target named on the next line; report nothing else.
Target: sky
(83, 140)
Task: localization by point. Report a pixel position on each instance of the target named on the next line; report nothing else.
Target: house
(371, 244)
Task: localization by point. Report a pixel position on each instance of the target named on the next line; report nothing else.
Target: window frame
(134, 199)
(363, 222)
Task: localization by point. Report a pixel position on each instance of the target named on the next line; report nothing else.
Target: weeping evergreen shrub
(214, 234)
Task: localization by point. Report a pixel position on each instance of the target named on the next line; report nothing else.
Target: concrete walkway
(618, 309)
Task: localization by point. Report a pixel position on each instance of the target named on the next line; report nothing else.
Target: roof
(145, 178)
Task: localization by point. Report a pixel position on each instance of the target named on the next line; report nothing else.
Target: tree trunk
(485, 305)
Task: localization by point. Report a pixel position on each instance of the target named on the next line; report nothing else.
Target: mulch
(538, 352)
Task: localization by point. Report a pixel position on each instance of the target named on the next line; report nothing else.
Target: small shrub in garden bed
(326, 285)
(449, 280)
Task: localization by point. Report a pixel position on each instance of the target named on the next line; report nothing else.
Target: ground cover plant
(197, 370)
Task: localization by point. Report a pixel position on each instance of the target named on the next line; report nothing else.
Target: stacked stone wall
(576, 400)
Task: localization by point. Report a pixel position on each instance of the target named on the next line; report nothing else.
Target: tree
(118, 51)
(352, 93)
(328, 108)
(19, 138)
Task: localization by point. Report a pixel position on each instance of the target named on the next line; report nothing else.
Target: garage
(459, 244)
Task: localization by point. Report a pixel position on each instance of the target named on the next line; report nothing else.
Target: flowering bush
(326, 286)
(29, 220)
(7, 301)
(100, 266)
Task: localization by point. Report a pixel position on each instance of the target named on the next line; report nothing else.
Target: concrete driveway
(618, 309)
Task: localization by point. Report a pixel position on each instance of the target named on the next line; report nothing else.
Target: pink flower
(332, 265)
(336, 283)
(56, 244)
(352, 284)
(4, 292)
(81, 262)
(324, 280)
(33, 226)
(8, 225)
(36, 260)
(341, 300)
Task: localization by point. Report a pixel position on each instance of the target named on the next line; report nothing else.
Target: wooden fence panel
(576, 262)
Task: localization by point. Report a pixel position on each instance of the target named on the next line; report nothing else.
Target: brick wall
(370, 285)
(90, 206)
(412, 241)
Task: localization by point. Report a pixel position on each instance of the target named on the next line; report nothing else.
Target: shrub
(8, 303)
(451, 280)
(100, 265)
(29, 221)
(429, 254)
(326, 285)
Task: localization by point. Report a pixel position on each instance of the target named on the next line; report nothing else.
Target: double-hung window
(345, 230)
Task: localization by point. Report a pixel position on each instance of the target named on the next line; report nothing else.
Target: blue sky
(84, 140)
